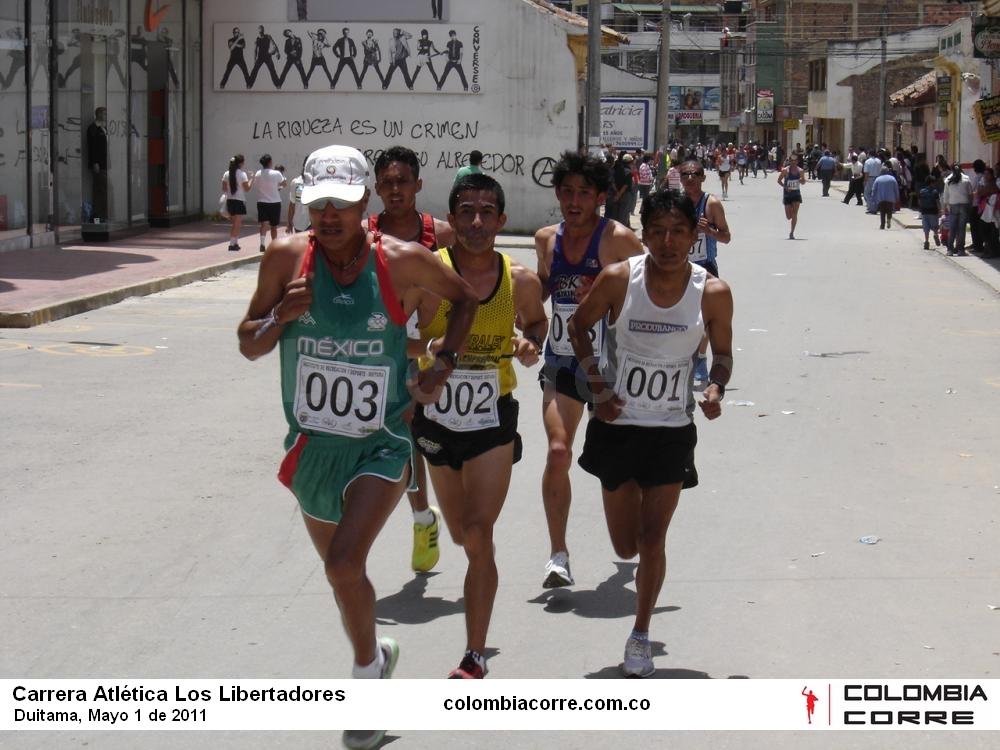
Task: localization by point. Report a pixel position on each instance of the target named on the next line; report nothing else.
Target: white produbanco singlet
(649, 351)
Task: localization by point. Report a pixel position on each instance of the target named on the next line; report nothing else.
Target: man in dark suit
(97, 158)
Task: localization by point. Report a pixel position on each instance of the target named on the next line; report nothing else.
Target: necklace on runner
(351, 263)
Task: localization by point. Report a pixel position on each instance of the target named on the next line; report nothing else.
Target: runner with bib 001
(640, 443)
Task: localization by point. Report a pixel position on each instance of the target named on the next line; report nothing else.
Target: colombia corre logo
(154, 18)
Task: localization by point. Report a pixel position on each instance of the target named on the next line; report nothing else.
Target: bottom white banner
(816, 704)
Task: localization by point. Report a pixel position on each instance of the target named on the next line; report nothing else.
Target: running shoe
(262, 247)
(469, 669)
(366, 739)
(701, 370)
(233, 247)
(426, 552)
(557, 572)
(638, 659)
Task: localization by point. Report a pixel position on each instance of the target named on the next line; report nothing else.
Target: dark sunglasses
(692, 174)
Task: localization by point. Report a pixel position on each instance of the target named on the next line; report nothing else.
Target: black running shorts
(444, 447)
(269, 212)
(566, 382)
(651, 456)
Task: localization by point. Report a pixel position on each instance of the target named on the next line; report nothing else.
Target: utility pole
(594, 76)
(882, 97)
(663, 81)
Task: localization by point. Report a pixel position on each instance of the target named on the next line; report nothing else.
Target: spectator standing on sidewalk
(825, 168)
(645, 178)
(976, 181)
(957, 202)
(235, 186)
(929, 203)
(872, 169)
(885, 194)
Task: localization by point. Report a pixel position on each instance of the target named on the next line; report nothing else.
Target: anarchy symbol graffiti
(542, 170)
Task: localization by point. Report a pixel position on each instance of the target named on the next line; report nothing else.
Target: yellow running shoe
(425, 544)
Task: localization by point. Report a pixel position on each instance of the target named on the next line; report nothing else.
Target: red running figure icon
(810, 703)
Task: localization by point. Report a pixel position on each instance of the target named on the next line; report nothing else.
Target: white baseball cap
(337, 173)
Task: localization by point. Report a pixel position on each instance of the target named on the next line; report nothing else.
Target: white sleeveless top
(649, 352)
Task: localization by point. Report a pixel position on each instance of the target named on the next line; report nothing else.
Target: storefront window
(91, 117)
(13, 119)
(192, 108)
(138, 114)
(40, 141)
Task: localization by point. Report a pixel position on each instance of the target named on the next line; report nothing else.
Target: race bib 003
(468, 401)
(654, 386)
(339, 398)
(559, 330)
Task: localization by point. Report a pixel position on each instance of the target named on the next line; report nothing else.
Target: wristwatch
(720, 386)
(448, 355)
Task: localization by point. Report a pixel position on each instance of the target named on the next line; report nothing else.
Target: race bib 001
(339, 398)
(559, 330)
(654, 386)
(468, 401)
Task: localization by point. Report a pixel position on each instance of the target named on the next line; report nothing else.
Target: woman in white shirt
(235, 186)
(268, 183)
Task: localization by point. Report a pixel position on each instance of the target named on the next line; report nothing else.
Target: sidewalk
(986, 270)
(40, 285)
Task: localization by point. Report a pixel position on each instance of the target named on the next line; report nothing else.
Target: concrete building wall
(525, 113)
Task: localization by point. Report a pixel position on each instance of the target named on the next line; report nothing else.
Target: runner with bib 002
(337, 300)
(469, 435)
(640, 443)
(570, 255)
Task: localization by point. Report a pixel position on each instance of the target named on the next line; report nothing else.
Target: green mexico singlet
(343, 363)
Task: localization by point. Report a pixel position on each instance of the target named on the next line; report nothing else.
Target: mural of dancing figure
(114, 53)
(373, 57)
(425, 51)
(454, 61)
(17, 58)
(301, 10)
(399, 50)
(237, 44)
(293, 58)
(436, 9)
(345, 50)
(319, 43)
(265, 52)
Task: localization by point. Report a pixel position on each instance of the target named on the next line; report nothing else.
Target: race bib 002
(654, 386)
(559, 330)
(468, 401)
(339, 398)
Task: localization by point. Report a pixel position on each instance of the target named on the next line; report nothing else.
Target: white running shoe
(366, 739)
(557, 571)
(638, 658)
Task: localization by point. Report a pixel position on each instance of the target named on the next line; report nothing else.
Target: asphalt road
(145, 535)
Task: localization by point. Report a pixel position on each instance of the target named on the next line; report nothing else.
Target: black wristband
(450, 356)
(720, 386)
(534, 340)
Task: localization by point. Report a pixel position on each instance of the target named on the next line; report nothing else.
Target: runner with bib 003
(640, 443)
(337, 300)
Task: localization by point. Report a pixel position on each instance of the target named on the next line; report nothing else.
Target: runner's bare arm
(444, 233)
(605, 298)
(717, 216)
(531, 315)
(279, 298)
(543, 253)
(717, 308)
(622, 244)
(781, 177)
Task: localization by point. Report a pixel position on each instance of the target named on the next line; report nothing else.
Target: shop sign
(941, 135)
(765, 106)
(943, 89)
(791, 125)
(625, 123)
(987, 113)
(986, 37)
